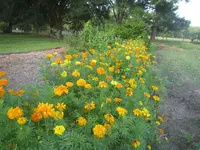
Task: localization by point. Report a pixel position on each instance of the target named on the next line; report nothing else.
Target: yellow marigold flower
(69, 84)
(136, 143)
(81, 82)
(90, 106)
(21, 120)
(121, 111)
(137, 112)
(109, 118)
(2, 73)
(147, 95)
(92, 51)
(81, 121)
(123, 76)
(49, 56)
(2, 91)
(58, 61)
(68, 57)
(58, 115)
(149, 147)
(63, 74)
(76, 73)
(99, 131)
(156, 98)
(100, 70)
(109, 77)
(87, 86)
(60, 90)
(145, 113)
(77, 63)
(128, 57)
(3, 82)
(95, 79)
(102, 84)
(155, 88)
(59, 130)
(161, 131)
(118, 100)
(15, 113)
(61, 106)
(111, 69)
(160, 119)
(55, 53)
(142, 80)
(93, 62)
(20, 92)
(114, 82)
(108, 47)
(129, 92)
(108, 100)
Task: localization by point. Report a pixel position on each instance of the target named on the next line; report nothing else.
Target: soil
(24, 68)
(182, 107)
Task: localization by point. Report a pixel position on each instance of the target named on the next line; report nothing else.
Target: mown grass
(180, 44)
(24, 43)
(179, 66)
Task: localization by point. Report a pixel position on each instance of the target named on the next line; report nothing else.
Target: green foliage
(132, 29)
(98, 37)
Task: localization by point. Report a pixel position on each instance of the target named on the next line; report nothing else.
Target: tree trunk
(153, 34)
(8, 28)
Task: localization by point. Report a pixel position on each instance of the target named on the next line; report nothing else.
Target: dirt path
(182, 107)
(24, 68)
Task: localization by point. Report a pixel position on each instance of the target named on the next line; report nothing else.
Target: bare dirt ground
(24, 68)
(182, 107)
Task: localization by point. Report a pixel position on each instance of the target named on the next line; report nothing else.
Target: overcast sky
(191, 11)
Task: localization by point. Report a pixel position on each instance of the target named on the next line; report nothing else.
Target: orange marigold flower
(109, 118)
(76, 73)
(36, 117)
(136, 143)
(15, 113)
(107, 126)
(2, 73)
(118, 100)
(102, 84)
(2, 91)
(99, 131)
(109, 78)
(87, 86)
(81, 121)
(20, 92)
(69, 84)
(147, 95)
(3, 82)
(93, 62)
(90, 106)
(58, 61)
(60, 90)
(100, 70)
(119, 86)
(129, 92)
(81, 82)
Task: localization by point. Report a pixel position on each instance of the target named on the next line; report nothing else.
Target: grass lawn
(180, 44)
(24, 43)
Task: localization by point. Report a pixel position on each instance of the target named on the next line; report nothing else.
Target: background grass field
(24, 43)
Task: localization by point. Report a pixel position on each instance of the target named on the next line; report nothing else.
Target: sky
(191, 11)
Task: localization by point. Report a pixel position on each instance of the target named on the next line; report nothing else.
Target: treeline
(56, 16)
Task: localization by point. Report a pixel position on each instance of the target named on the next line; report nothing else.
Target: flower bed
(90, 100)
